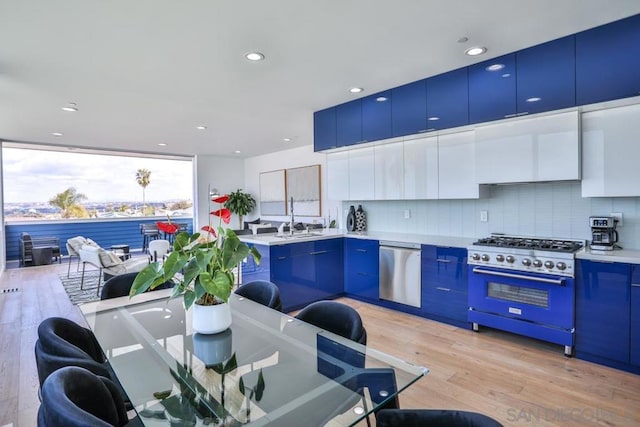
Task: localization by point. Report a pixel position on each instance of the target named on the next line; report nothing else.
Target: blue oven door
(532, 297)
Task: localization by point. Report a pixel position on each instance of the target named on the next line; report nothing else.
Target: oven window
(531, 296)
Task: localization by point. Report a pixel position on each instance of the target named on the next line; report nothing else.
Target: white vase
(211, 319)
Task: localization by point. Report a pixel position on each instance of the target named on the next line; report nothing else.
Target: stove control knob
(548, 264)
(537, 263)
(485, 257)
(475, 257)
(499, 258)
(511, 259)
(561, 266)
(526, 262)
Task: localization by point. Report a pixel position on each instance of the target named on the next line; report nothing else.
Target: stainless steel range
(524, 285)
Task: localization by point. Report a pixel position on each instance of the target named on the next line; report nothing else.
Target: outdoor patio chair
(73, 248)
(149, 232)
(108, 263)
(158, 249)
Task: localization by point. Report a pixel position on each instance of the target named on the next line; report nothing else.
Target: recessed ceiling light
(433, 119)
(254, 56)
(381, 98)
(475, 51)
(355, 89)
(533, 99)
(495, 67)
(237, 151)
(162, 144)
(463, 39)
(286, 139)
(506, 75)
(201, 127)
(72, 107)
(57, 133)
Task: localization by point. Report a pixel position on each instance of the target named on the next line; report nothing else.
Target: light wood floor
(516, 380)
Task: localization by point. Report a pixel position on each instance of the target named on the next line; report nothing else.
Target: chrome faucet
(292, 219)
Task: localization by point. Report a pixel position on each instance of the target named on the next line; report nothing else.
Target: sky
(37, 176)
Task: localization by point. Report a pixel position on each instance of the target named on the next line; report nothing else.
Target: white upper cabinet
(361, 174)
(456, 166)
(611, 152)
(421, 168)
(338, 175)
(389, 171)
(545, 148)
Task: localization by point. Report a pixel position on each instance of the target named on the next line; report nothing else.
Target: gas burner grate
(530, 243)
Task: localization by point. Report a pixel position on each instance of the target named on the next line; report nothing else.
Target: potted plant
(240, 203)
(201, 268)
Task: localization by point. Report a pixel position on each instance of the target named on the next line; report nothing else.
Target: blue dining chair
(263, 292)
(75, 397)
(119, 286)
(432, 417)
(335, 317)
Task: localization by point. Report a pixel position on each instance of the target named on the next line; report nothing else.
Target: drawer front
(450, 254)
(446, 303)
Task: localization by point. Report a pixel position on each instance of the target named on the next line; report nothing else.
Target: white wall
(295, 157)
(224, 173)
(544, 210)
(3, 262)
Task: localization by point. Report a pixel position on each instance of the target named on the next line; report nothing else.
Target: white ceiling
(144, 72)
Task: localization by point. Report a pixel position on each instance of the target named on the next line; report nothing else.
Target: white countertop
(275, 239)
(616, 255)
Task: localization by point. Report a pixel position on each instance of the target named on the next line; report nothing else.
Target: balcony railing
(105, 232)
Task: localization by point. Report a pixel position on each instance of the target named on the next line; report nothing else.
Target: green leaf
(241, 385)
(225, 368)
(145, 279)
(257, 256)
(162, 394)
(189, 298)
(260, 386)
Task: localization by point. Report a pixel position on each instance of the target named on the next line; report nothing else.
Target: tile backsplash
(554, 209)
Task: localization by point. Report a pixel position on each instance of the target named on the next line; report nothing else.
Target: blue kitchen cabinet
(546, 76)
(349, 123)
(492, 89)
(409, 109)
(444, 284)
(603, 312)
(307, 271)
(251, 270)
(361, 260)
(607, 62)
(324, 129)
(376, 116)
(635, 316)
(448, 100)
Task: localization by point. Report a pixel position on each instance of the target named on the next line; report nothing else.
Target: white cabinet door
(421, 168)
(388, 171)
(338, 175)
(545, 148)
(611, 152)
(456, 166)
(361, 174)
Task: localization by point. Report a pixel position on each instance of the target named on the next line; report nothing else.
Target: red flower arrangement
(223, 213)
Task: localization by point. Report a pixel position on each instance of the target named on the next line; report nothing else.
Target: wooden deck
(518, 381)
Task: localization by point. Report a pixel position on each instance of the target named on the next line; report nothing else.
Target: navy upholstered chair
(432, 417)
(263, 292)
(119, 286)
(335, 317)
(62, 342)
(75, 397)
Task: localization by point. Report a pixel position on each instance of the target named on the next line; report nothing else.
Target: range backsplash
(545, 210)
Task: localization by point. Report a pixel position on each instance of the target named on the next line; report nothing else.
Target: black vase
(351, 219)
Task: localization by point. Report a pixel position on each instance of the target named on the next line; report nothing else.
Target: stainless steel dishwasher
(400, 272)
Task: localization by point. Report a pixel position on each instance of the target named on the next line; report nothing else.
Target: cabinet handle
(361, 250)
(524, 113)
(282, 257)
(508, 116)
(635, 285)
(443, 260)
(318, 252)
(423, 130)
(443, 289)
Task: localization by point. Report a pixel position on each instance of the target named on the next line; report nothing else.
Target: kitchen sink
(297, 235)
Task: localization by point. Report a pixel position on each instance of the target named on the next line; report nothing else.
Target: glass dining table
(267, 369)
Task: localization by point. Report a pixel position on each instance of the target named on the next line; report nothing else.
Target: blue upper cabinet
(349, 123)
(546, 76)
(492, 89)
(324, 129)
(376, 116)
(607, 62)
(409, 109)
(448, 100)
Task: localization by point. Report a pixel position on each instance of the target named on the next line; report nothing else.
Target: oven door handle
(519, 276)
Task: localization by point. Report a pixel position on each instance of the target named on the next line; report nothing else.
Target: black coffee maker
(603, 231)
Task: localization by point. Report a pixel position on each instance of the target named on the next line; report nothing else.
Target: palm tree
(143, 178)
(69, 203)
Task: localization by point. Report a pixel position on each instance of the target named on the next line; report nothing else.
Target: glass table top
(267, 369)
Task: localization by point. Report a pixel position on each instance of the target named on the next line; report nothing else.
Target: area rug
(88, 292)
